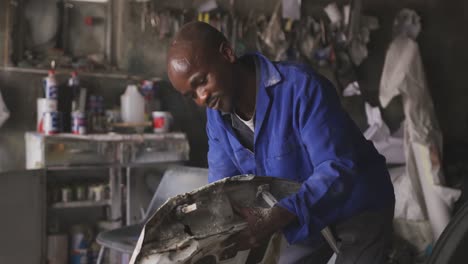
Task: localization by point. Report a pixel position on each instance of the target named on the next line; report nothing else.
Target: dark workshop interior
(319, 131)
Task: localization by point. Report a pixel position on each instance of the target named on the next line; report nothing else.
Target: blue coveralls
(303, 134)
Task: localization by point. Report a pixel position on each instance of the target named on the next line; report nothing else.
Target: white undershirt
(248, 123)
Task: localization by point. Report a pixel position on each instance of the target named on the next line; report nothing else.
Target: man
(285, 120)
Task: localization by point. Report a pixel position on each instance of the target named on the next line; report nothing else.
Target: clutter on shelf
(334, 38)
(140, 108)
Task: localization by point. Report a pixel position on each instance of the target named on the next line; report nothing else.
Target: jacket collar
(269, 76)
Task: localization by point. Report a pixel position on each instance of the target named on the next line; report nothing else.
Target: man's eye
(202, 81)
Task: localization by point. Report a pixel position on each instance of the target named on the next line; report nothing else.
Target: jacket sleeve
(220, 164)
(325, 131)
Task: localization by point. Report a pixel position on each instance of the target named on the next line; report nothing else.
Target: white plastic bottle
(132, 105)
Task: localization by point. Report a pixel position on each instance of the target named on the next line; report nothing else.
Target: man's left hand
(262, 223)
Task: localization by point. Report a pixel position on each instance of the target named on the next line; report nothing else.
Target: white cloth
(291, 9)
(403, 74)
(390, 146)
(352, 89)
(438, 198)
(407, 205)
(249, 123)
(4, 112)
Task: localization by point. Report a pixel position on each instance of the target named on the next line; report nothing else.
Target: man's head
(200, 64)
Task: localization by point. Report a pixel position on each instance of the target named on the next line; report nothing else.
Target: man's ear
(227, 52)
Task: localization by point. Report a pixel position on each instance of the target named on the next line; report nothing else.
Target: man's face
(206, 77)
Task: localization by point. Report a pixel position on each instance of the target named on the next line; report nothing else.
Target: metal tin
(80, 193)
(66, 194)
(100, 192)
(96, 192)
(78, 123)
(51, 123)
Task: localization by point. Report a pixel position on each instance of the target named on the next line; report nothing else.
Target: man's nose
(202, 96)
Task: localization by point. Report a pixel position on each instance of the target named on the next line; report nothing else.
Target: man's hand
(262, 223)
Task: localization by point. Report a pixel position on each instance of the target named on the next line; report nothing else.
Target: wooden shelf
(79, 204)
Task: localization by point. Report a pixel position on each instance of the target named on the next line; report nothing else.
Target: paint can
(66, 194)
(78, 123)
(44, 105)
(97, 193)
(51, 123)
(80, 193)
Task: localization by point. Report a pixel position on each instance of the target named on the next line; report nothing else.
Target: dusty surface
(174, 237)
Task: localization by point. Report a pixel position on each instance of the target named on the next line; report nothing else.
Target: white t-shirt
(250, 123)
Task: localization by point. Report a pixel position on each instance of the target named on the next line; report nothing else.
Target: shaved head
(198, 34)
(194, 40)
(200, 64)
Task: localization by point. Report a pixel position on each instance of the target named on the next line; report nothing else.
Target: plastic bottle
(132, 105)
(151, 100)
(50, 86)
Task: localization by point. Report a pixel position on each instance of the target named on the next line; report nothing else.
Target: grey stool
(176, 180)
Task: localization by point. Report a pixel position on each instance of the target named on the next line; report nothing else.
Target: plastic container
(161, 121)
(132, 105)
(44, 105)
(51, 123)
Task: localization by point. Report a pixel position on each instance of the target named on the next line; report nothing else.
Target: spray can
(50, 86)
(148, 94)
(74, 85)
(147, 89)
(80, 238)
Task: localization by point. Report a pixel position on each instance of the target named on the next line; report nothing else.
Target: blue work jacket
(303, 134)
